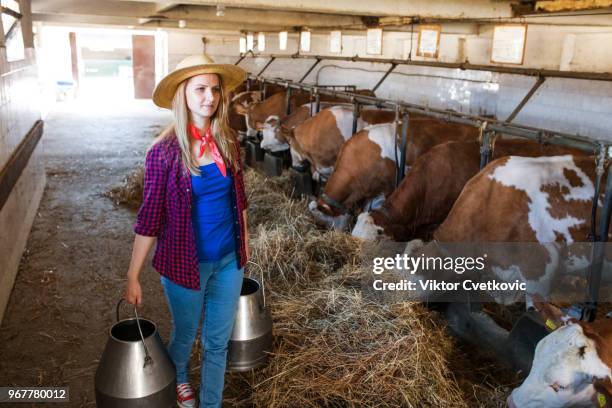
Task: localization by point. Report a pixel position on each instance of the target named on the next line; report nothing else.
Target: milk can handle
(148, 359)
(263, 287)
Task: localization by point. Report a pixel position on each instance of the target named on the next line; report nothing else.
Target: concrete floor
(73, 271)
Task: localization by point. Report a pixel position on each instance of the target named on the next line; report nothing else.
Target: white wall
(573, 106)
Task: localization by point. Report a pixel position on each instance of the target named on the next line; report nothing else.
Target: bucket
(135, 369)
(251, 338)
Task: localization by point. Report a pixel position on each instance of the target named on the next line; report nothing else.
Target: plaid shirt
(165, 213)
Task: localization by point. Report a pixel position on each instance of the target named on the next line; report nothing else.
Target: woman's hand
(133, 292)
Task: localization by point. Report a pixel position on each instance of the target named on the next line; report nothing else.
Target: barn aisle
(72, 273)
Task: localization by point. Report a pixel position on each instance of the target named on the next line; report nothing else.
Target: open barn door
(143, 60)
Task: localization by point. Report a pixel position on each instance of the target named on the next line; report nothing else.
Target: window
(374, 38)
(335, 42)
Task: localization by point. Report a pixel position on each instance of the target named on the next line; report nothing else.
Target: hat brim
(231, 77)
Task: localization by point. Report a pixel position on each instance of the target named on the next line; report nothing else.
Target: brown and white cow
(429, 190)
(239, 104)
(319, 139)
(241, 99)
(545, 201)
(276, 131)
(365, 167)
(571, 367)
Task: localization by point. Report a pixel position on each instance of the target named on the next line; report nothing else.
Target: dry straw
(332, 347)
(130, 192)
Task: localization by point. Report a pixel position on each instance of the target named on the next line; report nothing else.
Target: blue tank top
(211, 211)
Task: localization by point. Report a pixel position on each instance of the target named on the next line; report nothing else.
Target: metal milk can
(135, 369)
(251, 338)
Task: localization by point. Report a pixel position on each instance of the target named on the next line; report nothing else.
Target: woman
(194, 205)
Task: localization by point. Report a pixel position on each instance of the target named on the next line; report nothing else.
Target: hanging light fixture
(282, 40)
(182, 23)
(220, 10)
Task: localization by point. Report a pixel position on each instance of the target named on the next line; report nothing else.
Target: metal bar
(485, 149)
(18, 161)
(310, 70)
(595, 76)
(310, 103)
(264, 88)
(266, 66)
(288, 102)
(553, 137)
(594, 276)
(391, 68)
(356, 113)
(317, 101)
(402, 163)
(599, 172)
(10, 12)
(239, 60)
(396, 121)
(520, 106)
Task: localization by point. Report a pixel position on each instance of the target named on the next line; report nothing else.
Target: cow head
(567, 369)
(330, 207)
(242, 101)
(271, 135)
(365, 228)
(339, 222)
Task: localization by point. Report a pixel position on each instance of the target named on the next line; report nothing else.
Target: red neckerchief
(208, 140)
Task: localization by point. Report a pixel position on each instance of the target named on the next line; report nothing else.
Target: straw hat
(231, 77)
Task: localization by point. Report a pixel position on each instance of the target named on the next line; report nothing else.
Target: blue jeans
(217, 299)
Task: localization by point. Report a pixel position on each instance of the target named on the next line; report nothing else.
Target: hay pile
(130, 192)
(333, 348)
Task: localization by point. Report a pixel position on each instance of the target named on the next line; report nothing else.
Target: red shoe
(185, 398)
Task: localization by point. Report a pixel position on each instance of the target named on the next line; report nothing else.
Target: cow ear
(552, 316)
(240, 109)
(284, 131)
(603, 393)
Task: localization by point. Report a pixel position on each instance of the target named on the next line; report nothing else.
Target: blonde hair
(222, 133)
